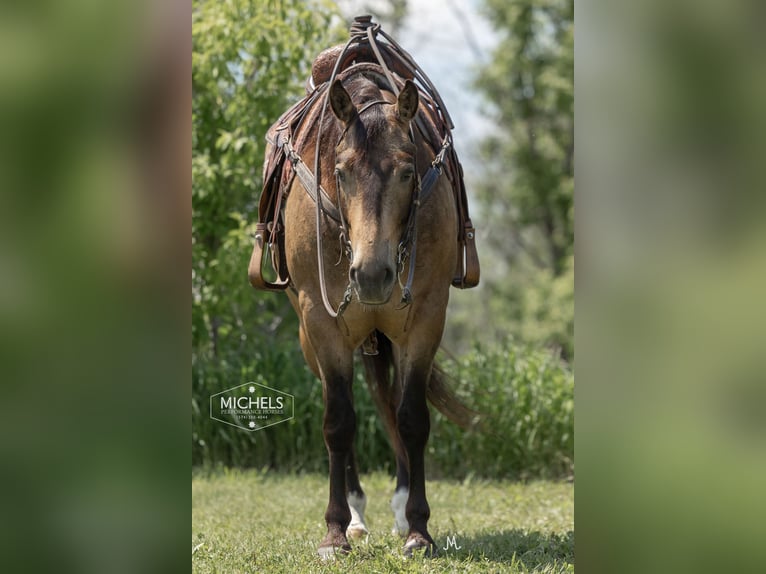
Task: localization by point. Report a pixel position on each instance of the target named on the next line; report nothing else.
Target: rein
(343, 229)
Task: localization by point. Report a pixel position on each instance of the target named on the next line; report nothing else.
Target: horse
(351, 231)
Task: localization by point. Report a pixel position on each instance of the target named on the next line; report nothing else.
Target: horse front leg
(332, 362)
(339, 426)
(414, 425)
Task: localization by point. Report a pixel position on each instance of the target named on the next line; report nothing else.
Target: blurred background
(505, 71)
(671, 395)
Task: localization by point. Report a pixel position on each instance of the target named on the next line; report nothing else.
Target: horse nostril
(381, 276)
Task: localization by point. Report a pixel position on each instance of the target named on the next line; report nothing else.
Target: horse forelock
(368, 128)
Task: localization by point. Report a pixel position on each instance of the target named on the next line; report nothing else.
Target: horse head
(376, 181)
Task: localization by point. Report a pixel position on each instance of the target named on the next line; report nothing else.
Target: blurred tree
(250, 59)
(390, 14)
(528, 187)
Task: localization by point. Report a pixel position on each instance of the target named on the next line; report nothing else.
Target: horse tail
(381, 375)
(440, 394)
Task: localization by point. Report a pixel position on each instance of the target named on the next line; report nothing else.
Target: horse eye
(407, 175)
(340, 174)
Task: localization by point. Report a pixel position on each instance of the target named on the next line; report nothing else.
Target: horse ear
(407, 105)
(340, 101)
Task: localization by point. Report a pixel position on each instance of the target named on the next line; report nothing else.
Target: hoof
(329, 552)
(333, 544)
(417, 544)
(357, 531)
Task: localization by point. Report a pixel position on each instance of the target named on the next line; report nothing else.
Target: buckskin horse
(366, 247)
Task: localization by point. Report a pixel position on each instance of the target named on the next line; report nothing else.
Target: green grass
(250, 521)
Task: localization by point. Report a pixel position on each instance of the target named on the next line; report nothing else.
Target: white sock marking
(398, 505)
(357, 504)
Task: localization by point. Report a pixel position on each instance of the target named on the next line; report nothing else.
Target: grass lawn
(249, 521)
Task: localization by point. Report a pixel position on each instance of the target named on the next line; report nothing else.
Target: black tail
(381, 376)
(441, 396)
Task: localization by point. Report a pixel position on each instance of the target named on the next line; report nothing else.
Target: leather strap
(307, 178)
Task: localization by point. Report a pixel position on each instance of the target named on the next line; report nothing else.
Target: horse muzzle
(373, 282)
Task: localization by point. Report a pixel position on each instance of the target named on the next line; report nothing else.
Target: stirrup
(468, 260)
(255, 269)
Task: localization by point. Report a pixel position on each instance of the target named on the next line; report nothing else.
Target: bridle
(407, 247)
(364, 30)
(408, 241)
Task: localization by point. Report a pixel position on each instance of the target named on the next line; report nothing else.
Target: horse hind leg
(386, 392)
(357, 500)
(401, 495)
(402, 489)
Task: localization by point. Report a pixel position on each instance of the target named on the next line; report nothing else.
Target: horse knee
(339, 421)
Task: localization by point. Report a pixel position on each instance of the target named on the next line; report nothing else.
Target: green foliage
(527, 192)
(526, 402)
(530, 83)
(296, 444)
(249, 61)
(525, 398)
